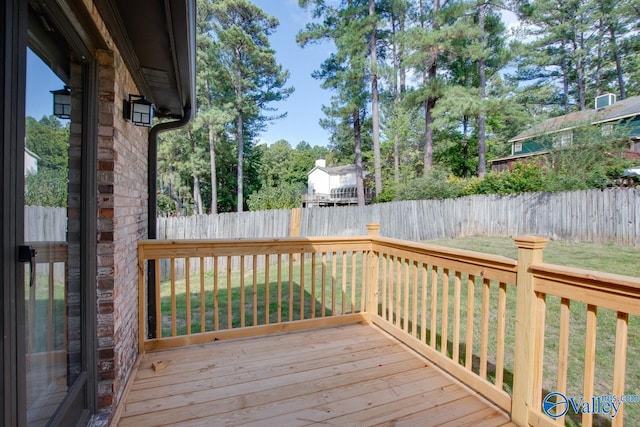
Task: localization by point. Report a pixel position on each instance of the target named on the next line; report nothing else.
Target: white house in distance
(30, 162)
(332, 186)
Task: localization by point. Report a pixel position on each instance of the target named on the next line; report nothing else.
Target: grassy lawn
(608, 258)
(599, 257)
(299, 297)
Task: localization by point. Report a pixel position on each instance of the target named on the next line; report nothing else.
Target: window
(562, 139)
(607, 129)
(517, 147)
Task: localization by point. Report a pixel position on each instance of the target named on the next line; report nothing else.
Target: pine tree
(241, 30)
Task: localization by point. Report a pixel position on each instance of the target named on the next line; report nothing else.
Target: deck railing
(480, 317)
(45, 306)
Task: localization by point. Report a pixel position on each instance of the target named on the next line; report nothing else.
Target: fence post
(530, 250)
(373, 231)
(294, 226)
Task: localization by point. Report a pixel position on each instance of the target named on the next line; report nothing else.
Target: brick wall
(122, 221)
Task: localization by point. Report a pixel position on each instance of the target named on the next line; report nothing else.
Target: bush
(436, 185)
(284, 196)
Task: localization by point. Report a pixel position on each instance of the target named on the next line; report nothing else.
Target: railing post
(373, 230)
(530, 250)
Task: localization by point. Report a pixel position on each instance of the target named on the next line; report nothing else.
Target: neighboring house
(332, 186)
(559, 131)
(30, 162)
(69, 348)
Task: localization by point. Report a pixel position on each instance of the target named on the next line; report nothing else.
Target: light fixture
(62, 103)
(138, 110)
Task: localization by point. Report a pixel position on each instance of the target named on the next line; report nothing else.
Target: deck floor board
(348, 375)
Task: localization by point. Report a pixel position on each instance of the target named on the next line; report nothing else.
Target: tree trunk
(197, 196)
(212, 163)
(482, 85)
(240, 138)
(431, 99)
(428, 135)
(619, 70)
(396, 99)
(358, 152)
(374, 102)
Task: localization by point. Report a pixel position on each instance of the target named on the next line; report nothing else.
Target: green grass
(599, 257)
(296, 292)
(38, 327)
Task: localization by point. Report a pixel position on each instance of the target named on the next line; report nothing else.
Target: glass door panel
(51, 221)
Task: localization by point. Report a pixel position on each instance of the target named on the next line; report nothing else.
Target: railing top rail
(609, 290)
(150, 249)
(459, 257)
(50, 251)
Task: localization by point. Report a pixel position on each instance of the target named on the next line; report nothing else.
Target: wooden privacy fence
(608, 216)
(488, 320)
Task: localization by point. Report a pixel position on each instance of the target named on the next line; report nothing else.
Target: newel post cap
(531, 242)
(373, 229)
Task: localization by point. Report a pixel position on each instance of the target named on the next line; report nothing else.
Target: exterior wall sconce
(62, 103)
(138, 110)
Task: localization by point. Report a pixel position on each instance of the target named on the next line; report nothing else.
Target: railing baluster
(313, 285)
(50, 310)
(414, 302)
(216, 305)
(229, 308)
(444, 343)
(202, 297)
(502, 308)
(456, 317)
(589, 359)
(392, 283)
(563, 347)
(471, 290)
(434, 307)
(343, 295)
(484, 328)
(323, 290)
(290, 287)
(398, 319)
(242, 294)
(620, 363)
(406, 315)
(158, 300)
(423, 305)
(187, 293)
(385, 261)
(254, 290)
(173, 297)
(267, 286)
(354, 284)
(334, 270)
(538, 351)
(279, 288)
(302, 284)
(365, 269)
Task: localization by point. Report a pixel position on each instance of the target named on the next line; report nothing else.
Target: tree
(48, 139)
(345, 71)
(374, 96)
(241, 30)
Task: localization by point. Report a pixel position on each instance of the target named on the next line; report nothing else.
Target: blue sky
(303, 107)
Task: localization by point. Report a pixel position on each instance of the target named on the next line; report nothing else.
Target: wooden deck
(348, 375)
